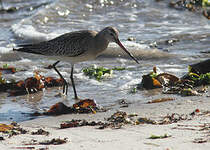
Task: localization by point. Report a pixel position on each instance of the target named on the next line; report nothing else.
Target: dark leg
(72, 81)
(65, 85)
(1, 5)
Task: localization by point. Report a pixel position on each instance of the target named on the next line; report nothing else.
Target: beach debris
(141, 120)
(83, 106)
(195, 112)
(116, 121)
(6, 69)
(159, 100)
(29, 85)
(12, 129)
(198, 79)
(6, 128)
(40, 132)
(133, 90)
(198, 112)
(24, 147)
(184, 86)
(86, 106)
(201, 67)
(119, 119)
(149, 82)
(155, 80)
(167, 79)
(173, 118)
(52, 82)
(58, 109)
(189, 92)
(123, 103)
(159, 136)
(201, 140)
(54, 141)
(78, 123)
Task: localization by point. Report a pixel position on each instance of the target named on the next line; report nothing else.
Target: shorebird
(75, 47)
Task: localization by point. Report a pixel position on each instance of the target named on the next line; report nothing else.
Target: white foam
(129, 45)
(4, 50)
(29, 33)
(24, 60)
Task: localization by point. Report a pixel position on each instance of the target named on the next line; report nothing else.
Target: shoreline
(184, 133)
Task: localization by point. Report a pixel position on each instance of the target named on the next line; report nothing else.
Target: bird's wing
(69, 44)
(42, 48)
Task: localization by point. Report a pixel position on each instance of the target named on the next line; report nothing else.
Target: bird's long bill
(120, 44)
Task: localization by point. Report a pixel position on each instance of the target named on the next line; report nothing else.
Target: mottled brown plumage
(75, 47)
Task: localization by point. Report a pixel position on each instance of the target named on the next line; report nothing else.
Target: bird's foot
(77, 98)
(61, 95)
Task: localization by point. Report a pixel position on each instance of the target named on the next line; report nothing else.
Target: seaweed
(78, 123)
(27, 86)
(83, 106)
(40, 132)
(159, 136)
(205, 3)
(202, 79)
(160, 100)
(100, 73)
(198, 74)
(115, 121)
(54, 141)
(97, 72)
(12, 129)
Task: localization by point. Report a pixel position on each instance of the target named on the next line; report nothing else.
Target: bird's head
(111, 35)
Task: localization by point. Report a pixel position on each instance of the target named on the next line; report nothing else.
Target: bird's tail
(26, 48)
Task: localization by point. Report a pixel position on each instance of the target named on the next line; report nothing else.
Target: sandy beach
(166, 37)
(185, 134)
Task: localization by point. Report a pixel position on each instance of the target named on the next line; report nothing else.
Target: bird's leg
(72, 81)
(1, 5)
(65, 85)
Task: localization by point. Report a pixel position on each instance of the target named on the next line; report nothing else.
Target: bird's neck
(101, 42)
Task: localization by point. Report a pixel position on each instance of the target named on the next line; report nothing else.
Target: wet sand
(129, 137)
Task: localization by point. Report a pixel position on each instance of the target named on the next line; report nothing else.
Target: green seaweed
(133, 90)
(96, 72)
(2, 80)
(100, 72)
(153, 75)
(205, 3)
(119, 68)
(202, 79)
(5, 66)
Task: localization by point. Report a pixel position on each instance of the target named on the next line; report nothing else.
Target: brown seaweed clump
(26, 86)
(83, 106)
(198, 75)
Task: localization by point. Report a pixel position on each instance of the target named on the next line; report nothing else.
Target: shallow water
(152, 24)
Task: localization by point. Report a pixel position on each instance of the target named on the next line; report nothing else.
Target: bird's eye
(112, 34)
